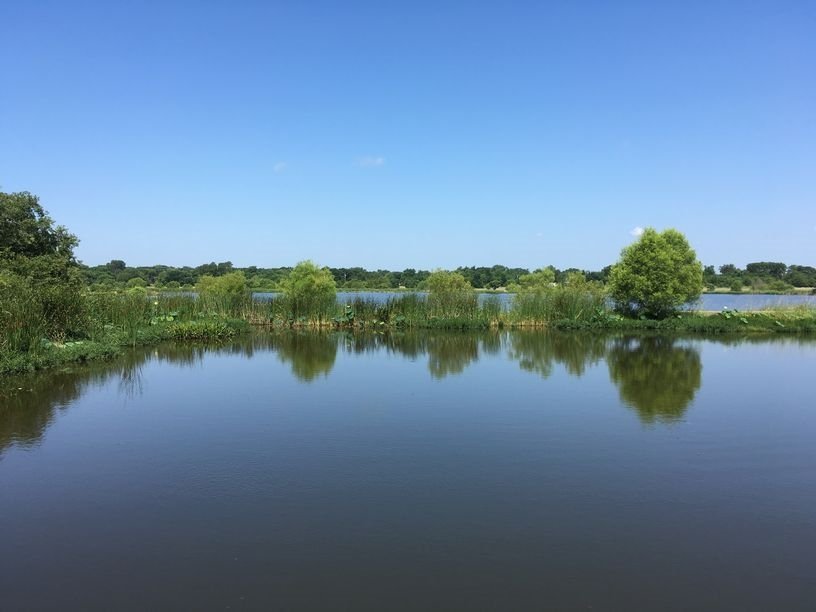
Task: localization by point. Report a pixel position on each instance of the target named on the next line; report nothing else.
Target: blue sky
(413, 134)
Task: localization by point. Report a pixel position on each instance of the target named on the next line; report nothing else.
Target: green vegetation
(540, 301)
(310, 291)
(224, 294)
(656, 275)
(760, 277)
(450, 295)
(48, 317)
(116, 274)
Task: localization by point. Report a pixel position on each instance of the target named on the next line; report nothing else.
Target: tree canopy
(310, 289)
(31, 245)
(656, 275)
(449, 293)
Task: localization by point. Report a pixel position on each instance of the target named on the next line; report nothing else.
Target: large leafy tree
(39, 277)
(31, 246)
(656, 275)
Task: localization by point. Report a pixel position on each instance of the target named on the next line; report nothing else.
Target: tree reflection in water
(30, 402)
(655, 375)
(538, 352)
(310, 354)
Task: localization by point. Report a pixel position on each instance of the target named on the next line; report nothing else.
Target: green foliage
(656, 275)
(450, 294)
(136, 282)
(232, 285)
(27, 233)
(202, 330)
(541, 280)
(22, 320)
(771, 269)
(310, 291)
(40, 295)
(581, 302)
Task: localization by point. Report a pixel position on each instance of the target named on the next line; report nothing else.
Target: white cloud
(280, 167)
(371, 161)
(636, 231)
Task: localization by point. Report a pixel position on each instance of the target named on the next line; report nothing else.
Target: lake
(415, 471)
(707, 301)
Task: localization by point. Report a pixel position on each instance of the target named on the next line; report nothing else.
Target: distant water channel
(708, 301)
(500, 471)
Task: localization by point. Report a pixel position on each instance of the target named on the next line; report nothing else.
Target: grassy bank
(51, 354)
(786, 320)
(40, 331)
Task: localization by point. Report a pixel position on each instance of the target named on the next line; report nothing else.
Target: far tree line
(763, 275)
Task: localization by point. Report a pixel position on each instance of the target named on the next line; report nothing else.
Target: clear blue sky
(413, 134)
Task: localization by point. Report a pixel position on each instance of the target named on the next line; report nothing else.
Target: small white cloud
(636, 231)
(280, 167)
(371, 161)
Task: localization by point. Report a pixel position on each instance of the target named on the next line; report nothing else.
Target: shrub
(310, 291)
(224, 293)
(450, 294)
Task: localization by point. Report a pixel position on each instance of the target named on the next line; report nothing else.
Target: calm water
(503, 471)
(708, 301)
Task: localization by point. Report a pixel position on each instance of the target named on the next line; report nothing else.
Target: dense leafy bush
(656, 275)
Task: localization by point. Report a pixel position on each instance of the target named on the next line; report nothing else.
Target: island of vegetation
(54, 310)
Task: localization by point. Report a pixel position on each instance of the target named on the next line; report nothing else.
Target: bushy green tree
(37, 259)
(656, 275)
(31, 245)
(310, 291)
(228, 290)
(450, 294)
(540, 280)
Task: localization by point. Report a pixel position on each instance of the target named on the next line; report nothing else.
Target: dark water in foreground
(508, 471)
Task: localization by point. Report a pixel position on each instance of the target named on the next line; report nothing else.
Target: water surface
(707, 301)
(415, 471)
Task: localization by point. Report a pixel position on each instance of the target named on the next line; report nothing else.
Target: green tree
(656, 275)
(773, 269)
(540, 280)
(41, 281)
(450, 294)
(31, 245)
(310, 290)
(232, 285)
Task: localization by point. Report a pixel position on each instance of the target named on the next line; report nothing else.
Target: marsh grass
(40, 326)
(560, 303)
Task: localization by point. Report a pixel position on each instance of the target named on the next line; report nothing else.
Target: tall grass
(22, 321)
(561, 303)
